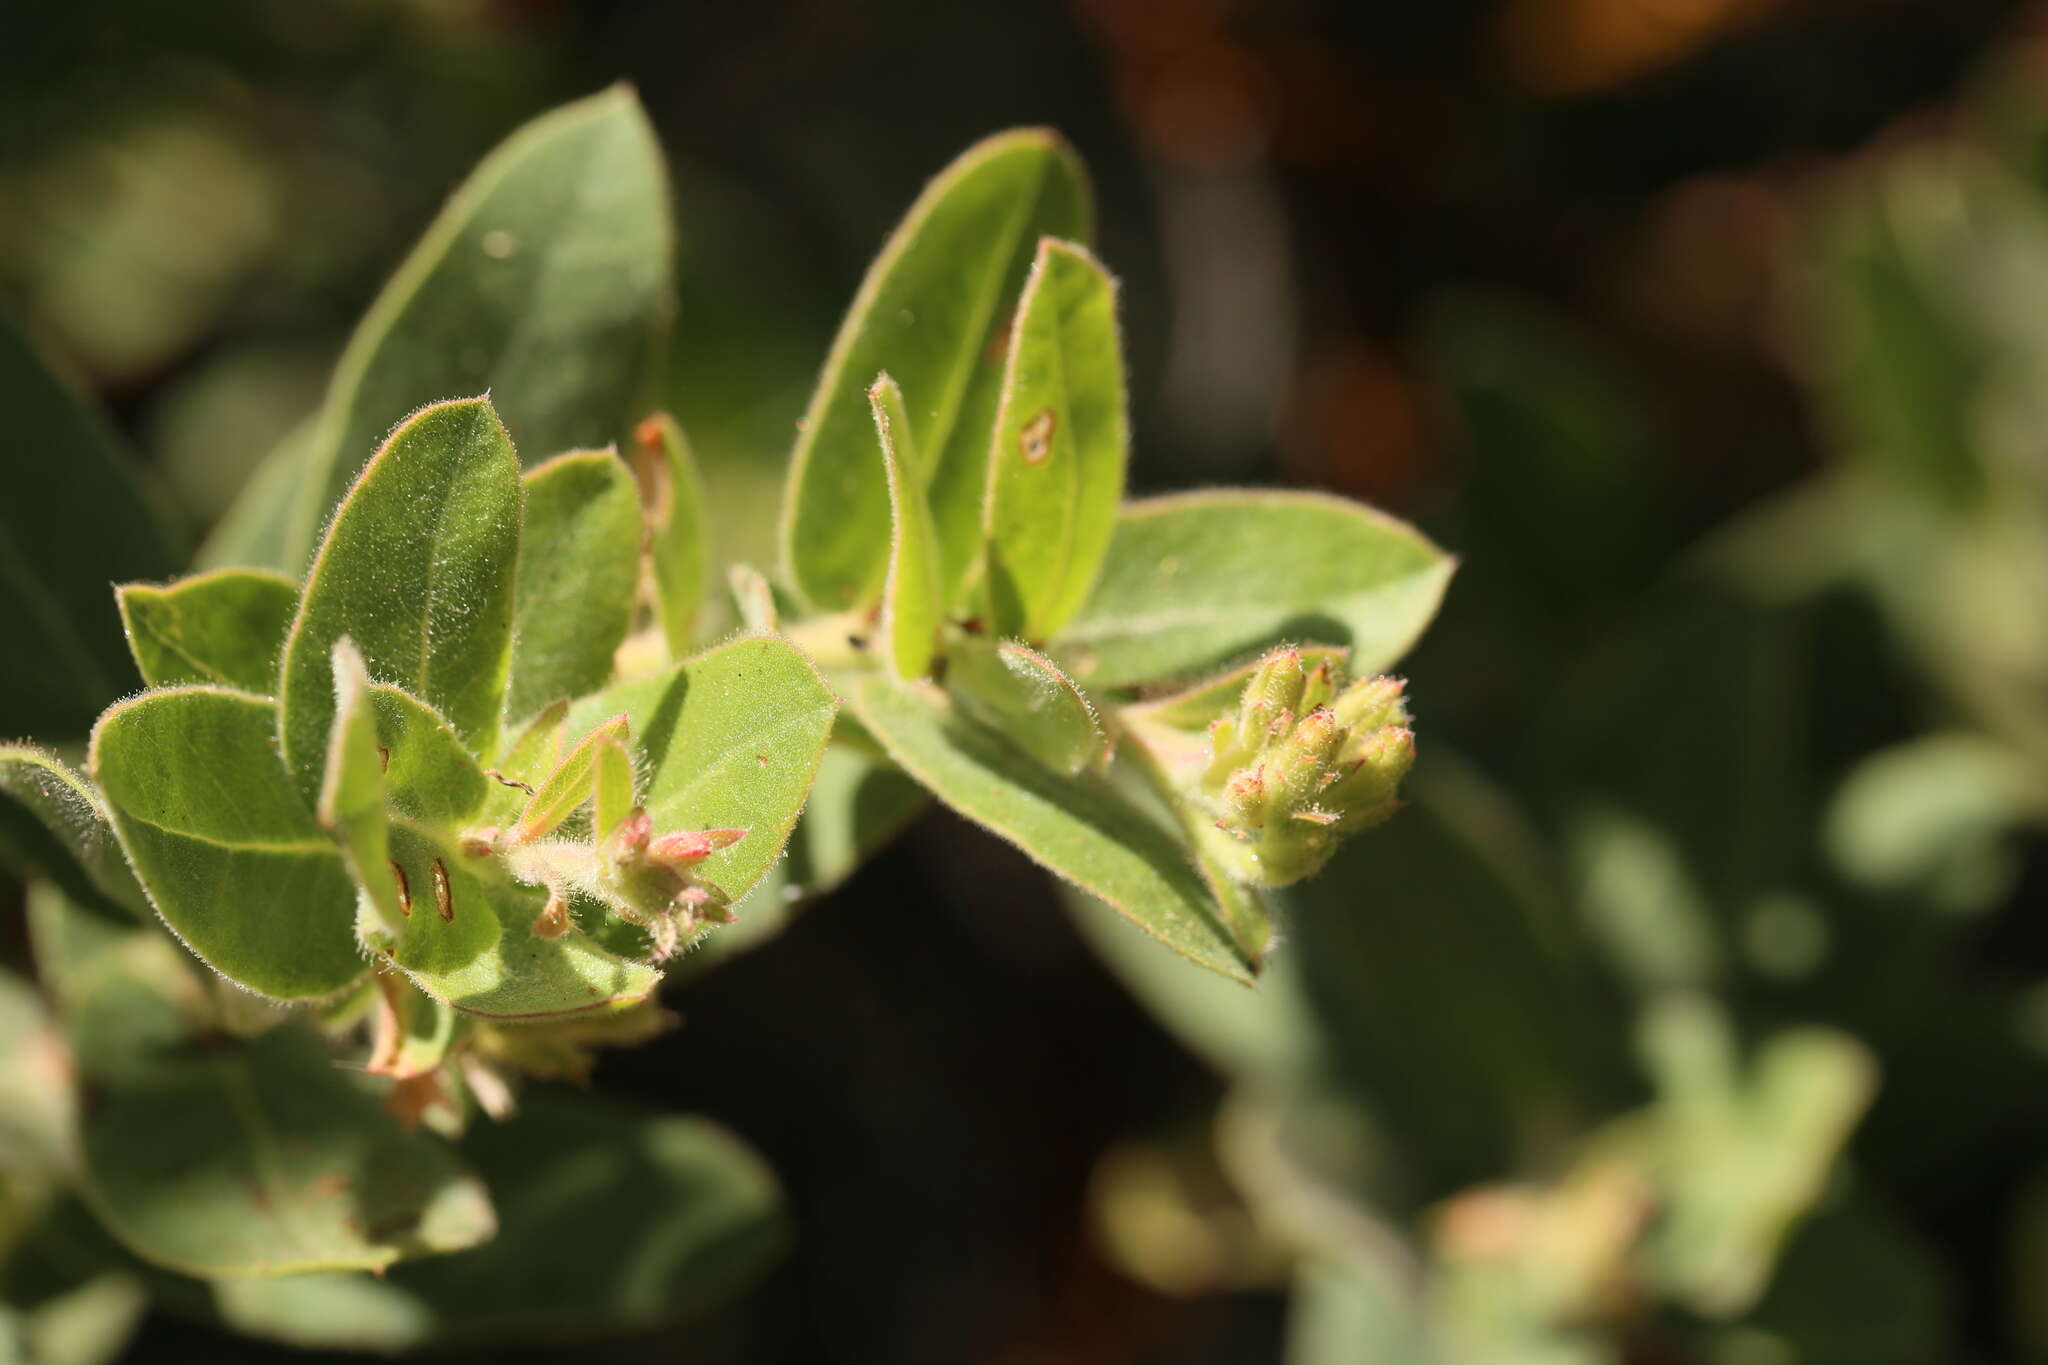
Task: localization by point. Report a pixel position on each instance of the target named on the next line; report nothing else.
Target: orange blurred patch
(1358, 423)
(1573, 47)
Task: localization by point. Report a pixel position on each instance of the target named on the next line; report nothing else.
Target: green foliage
(450, 806)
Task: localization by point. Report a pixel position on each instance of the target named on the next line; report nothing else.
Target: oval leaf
(547, 280)
(1076, 827)
(73, 519)
(932, 312)
(221, 1158)
(417, 568)
(1023, 695)
(224, 627)
(219, 836)
(1062, 438)
(728, 740)
(910, 597)
(1197, 580)
(579, 567)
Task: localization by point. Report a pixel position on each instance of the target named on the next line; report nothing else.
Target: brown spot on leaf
(444, 898)
(1034, 439)
(404, 887)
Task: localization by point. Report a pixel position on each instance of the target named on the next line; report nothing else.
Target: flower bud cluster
(1302, 762)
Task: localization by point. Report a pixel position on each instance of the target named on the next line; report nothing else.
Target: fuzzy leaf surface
(1023, 694)
(1197, 580)
(933, 313)
(910, 597)
(1062, 438)
(72, 521)
(1077, 827)
(225, 627)
(546, 280)
(227, 848)
(728, 740)
(418, 569)
(578, 568)
(469, 943)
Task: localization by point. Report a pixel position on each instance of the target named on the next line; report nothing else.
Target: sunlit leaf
(579, 563)
(932, 312)
(1022, 694)
(678, 531)
(224, 627)
(910, 595)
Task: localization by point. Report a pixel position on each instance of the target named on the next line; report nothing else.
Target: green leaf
(753, 600)
(570, 785)
(1077, 827)
(728, 740)
(910, 596)
(221, 1158)
(418, 569)
(528, 760)
(608, 1221)
(678, 533)
(579, 567)
(931, 312)
(352, 789)
(1062, 438)
(546, 281)
(428, 776)
(222, 627)
(469, 943)
(230, 854)
(415, 1031)
(53, 822)
(1198, 580)
(73, 521)
(1022, 694)
(613, 784)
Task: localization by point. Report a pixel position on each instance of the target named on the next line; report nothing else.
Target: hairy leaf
(579, 566)
(224, 627)
(1062, 438)
(545, 281)
(1077, 827)
(910, 597)
(932, 312)
(729, 740)
(417, 568)
(1198, 580)
(1023, 694)
(54, 823)
(222, 840)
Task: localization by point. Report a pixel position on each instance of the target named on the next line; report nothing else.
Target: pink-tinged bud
(688, 847)
(1244, 798)
(1318, 687)
(1371, 703)
(1375, 765)
(629, 841)
(1303, 759)
(480, 843)
(1273, 691)
(553, 920)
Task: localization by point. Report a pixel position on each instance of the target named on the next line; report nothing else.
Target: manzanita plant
(445, 759)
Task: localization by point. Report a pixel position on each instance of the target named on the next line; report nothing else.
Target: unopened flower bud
(689, 847)
(1370, 703)
(1272, 695)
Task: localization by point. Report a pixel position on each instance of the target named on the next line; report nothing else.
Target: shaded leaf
(546, 281)
(219, 836)
(224, 627)
(352, 789)
(678, 534)
(1062, 438)
(579, 565)
(643, 1220)
(66, 531)
(753, 599)
(1076, 827)
(729, 740)
(1023, 695)
(418, 569)
(54, 823)
(910, 595)
(932, 313)
(216, 1157)
(1198, 580)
